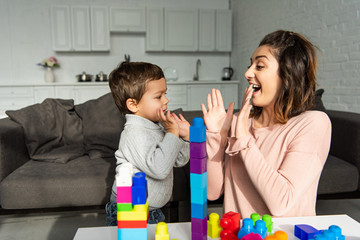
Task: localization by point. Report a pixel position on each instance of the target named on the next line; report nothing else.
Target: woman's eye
(259, 67)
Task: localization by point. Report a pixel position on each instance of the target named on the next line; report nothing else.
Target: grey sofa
(57, 154)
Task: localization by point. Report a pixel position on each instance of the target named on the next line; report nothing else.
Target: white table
(350, 228)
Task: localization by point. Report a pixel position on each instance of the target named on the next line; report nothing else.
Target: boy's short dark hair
(129, 80)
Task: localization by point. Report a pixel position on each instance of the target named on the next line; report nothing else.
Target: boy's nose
(166, 100)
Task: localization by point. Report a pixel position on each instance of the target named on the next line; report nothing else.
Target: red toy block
(132, 224)
(230, 223)
(227, 235)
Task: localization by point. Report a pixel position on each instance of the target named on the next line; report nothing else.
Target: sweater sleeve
(183, 156)
(300, 168)
(149, 155)
(215, 165)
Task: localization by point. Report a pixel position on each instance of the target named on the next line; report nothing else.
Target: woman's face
(263, 74)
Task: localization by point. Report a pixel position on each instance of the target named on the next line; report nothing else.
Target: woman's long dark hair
(297, 70)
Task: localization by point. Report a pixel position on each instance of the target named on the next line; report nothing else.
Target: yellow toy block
(213, 228)
(139, 213)
(161, 232)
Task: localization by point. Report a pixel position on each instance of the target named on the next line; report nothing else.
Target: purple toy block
(198, 236)
(198, 165)
(124, 195)
(199, 225)
(305, 232)
(198, 149)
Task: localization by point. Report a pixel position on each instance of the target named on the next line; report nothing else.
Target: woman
(268, 157)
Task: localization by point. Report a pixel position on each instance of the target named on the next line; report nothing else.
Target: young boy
(153, 140)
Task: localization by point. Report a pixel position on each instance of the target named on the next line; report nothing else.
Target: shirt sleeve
(184, 155)
(156, 159)
(300, 168)
(215, 165)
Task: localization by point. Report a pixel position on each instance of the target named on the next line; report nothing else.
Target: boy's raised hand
(169, 122)
(184, 126)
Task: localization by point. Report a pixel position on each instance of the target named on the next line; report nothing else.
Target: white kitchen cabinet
(80, 28)
(223, 30)
(61, 28)
(65, 92)
(127, 19)
(13, 98)
(73, 29)
(181, 30)
(100, 31)
(206, 30)
(155, 29)
(85, 93)
(41, 93)
(177, 96)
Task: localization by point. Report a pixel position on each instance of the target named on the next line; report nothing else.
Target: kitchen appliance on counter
(227, 73)
(84, 77)
(101, 77)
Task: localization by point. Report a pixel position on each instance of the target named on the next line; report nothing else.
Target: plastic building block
(198, 131)
(333, 233)
(132, 224)
(213, 225)
(227, 235)
(269, 223)
(124, 207)
(198, 149)
(198, 180)
(198, 236)
(124, 175)
(198, 165)
(278, 235)
(161, 232)
(124, 194)
(254, 217)
(248, 227)
(198, 195)
(198, 210)
(252, 236)
(305, 232)
(139, 188)
(132, 233)
(199, 225)
(139, 212)
(230, 224)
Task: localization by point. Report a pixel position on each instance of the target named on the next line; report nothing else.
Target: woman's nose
(249, 73)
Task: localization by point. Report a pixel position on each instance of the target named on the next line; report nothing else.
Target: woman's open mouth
(256, 88)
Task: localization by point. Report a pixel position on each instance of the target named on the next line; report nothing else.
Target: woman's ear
(131, 104)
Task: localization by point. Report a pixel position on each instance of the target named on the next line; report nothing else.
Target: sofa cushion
(338, 176)
(318, 103)
(102, 126)
(53, 131)
(80, 182)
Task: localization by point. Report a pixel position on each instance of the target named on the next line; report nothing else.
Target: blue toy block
(198, 165)
(132, 233)
(198, 180)
(333, 233)
(198, 149)
(198, 195)
(248, 227)
(139, 189)
(305, 232)
(198, 210)
(198, 131)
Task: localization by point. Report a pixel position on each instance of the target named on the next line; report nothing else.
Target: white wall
(332, 25)
(25, 40)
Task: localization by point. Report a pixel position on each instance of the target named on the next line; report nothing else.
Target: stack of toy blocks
(132, 205)
(198, 180)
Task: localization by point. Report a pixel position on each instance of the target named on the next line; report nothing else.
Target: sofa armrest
(13, 151)
(345, 139)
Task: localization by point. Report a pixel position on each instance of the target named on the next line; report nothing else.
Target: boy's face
(153, 100)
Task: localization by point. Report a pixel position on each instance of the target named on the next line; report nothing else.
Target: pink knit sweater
(274, 171)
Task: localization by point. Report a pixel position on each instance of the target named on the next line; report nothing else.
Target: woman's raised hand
(242, 123)
(216, 118)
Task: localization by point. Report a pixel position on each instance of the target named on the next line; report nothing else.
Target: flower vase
(49, 75)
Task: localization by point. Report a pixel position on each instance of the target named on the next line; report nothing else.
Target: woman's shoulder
(312, 118)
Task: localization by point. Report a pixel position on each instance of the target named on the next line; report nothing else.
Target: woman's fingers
(214, 97)
(219, 98)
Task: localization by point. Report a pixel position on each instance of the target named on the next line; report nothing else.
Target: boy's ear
(131, 104)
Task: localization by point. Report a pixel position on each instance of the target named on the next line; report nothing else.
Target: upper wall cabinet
(73, 29)
(181, 30)
(188, 30)
(223, 30)
(127, 19)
